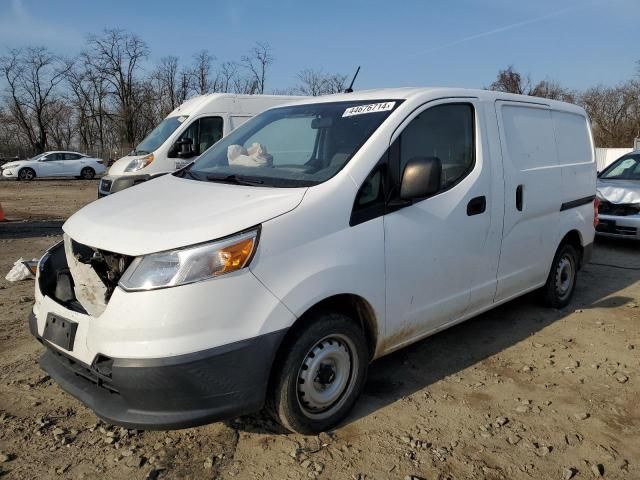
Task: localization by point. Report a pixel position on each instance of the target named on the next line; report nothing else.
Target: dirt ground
(521, 392)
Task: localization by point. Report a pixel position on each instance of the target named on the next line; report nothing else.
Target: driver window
(445, 132)
(210, 132)
(203, 133)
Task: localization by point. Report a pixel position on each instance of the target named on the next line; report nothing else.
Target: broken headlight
(190, 264)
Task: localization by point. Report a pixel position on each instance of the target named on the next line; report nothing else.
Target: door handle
(519, 190)
(476, 206)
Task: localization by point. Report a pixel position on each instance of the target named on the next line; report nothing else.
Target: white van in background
(313, 239)
(186, 133)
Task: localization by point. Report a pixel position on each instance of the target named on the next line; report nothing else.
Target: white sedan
(54, 164)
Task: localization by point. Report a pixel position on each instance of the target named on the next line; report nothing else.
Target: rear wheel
(321, 375)
(561, 281)
(87, 173)
(26, 174)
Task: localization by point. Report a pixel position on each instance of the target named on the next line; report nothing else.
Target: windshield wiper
(139, 152)
(235, 179)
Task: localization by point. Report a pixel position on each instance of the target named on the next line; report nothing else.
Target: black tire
(333, 337)
(26, 174)
(561, 282)
(87, 173)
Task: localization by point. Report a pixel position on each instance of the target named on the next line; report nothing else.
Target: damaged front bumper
(171, 358)
(619, 220)
(168, 393)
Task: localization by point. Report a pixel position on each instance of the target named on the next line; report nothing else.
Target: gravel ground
(520, 392)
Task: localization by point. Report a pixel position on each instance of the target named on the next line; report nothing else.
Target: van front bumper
(168, 393)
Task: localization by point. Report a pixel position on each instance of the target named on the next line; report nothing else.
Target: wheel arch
(574, 238)
(354, 306)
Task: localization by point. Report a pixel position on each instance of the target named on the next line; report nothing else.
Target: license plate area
(60, 331)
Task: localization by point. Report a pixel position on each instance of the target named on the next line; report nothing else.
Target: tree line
(108, 97)
(614, 111)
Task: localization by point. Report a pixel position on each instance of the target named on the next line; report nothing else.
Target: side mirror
(420, 178)
(182, 149)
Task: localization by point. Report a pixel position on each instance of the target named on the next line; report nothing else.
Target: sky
(580, 43)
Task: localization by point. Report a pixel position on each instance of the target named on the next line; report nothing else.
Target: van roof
(407, 93)
(232, 103)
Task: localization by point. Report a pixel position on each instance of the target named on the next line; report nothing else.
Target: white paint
(54, 164)
(421, 268)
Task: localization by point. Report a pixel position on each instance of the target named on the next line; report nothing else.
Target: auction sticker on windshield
(371, 108)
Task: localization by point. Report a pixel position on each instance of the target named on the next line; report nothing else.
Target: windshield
(626, 168)
(300, 145)
(158, 135)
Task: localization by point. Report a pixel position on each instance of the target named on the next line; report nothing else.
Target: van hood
(171, 212)
(619, 191)
(119, 165)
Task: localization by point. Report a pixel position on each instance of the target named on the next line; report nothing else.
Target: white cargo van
(186, 133)
(308, 242)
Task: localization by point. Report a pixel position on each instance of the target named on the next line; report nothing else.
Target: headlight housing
(191, 264)
(139, 163)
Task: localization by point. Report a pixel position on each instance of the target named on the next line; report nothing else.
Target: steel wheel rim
(327, 376)
(564, 276)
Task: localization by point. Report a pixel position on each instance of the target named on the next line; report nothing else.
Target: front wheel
(26, 174)
(87, 173)
(561, 281)
(321, 375)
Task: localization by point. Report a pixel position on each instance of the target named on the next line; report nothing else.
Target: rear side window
(445, 132)
(529, 136)
(72, 156)
(572, 138)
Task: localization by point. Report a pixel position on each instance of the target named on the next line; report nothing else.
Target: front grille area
(107, 265)
(604, 227)
(88, 373)
(618, 210)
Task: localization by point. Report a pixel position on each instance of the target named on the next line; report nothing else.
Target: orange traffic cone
(2, 218)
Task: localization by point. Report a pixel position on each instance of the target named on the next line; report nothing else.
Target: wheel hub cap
(564, 276)
(324, 375)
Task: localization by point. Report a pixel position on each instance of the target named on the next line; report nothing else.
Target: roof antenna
(350, 89)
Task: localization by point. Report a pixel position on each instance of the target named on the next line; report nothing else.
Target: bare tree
(256, 62)
(33, 76)
(316, 82)
(117, 56)
(614, 113)
(166, 76)
(88, 93)
(202, 73)
(510, 80)
(226, 74)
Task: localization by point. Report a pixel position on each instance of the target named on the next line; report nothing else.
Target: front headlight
(191, 264)
(139, 163)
